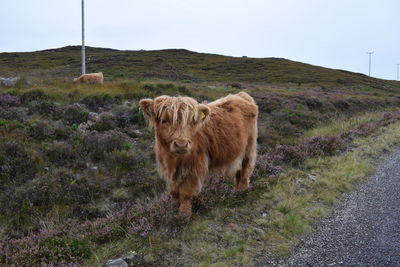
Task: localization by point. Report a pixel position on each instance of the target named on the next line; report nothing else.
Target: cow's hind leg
(249, 159)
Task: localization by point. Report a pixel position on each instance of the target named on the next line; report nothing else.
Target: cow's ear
(204, 112)
(147, 106)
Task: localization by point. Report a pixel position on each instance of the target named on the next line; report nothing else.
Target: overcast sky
(329, 33)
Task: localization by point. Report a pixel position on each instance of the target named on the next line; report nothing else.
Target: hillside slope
(78, 177)
(178, 64)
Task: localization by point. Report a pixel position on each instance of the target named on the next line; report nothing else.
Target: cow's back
(233, 121)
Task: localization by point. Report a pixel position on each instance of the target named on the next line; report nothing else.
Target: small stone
(9, 81)
(117, 263)
(213, 226)
(312, 177)
(233, 226)
(131, 255)
(259, 231)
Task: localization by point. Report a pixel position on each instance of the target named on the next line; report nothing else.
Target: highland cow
(194, 140)
(90, 78)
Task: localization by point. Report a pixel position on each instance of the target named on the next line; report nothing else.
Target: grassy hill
(78, 179)
(179, 65)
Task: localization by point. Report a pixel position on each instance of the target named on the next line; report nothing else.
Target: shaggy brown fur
(194, 140)
(90, 78)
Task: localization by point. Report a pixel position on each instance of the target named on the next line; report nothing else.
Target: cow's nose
(181, 144)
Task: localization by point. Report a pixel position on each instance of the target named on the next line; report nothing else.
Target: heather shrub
(267, 165)
(342, 105)
(294, 155)
(122, 115)
(322, 145)
(104, 123)
(13, 113)
(157, 213)
(204, 98)
(76, 113)
(370, 127)
(313, 103)
(132, 171)
(98, 102)
(134, 219)
(119, 162)
(101, 230)
(47, 248)
(349, 136)
(269, 103)
(7, 101)
(270, 164)
(141, 218)
(267, 138)
(34, 95)
(41, 130)
(62, 131)
(141, 183)
(300, 119)
(166, 89)
(96, 144)
(17, 164)
(45, 108)
(280, 121)
(36, 198)
(65, 249)
(60, 153)
(215, 192)
(8, 122)
(390, 116)
(137, 116)
(235, 85)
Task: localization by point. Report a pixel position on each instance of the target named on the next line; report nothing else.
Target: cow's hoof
(185, 211)
(242, 187)
(174, 202)
(186, 217)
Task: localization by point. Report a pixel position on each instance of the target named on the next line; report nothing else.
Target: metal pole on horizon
(83, 39)
(398, 72)
(369, 66)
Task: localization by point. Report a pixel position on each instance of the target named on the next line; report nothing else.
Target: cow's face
(176, 120)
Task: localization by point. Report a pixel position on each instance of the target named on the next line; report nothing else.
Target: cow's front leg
(175, 197)
(173, 192)
(187, 190)
(185, 207)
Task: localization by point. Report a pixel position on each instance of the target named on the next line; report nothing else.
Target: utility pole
(398, 72)
(369, 66)
(83, 39)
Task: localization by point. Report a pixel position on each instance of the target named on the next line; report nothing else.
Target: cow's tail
(246, 97)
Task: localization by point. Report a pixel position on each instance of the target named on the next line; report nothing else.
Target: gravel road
(362, 230)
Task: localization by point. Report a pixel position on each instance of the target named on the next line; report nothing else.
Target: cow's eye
(164, 122)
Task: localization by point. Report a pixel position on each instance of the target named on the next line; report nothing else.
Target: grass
(60, 185)
(285, 208)
(342, 124)
(229, 228)
(185, 66)
(59, 90)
